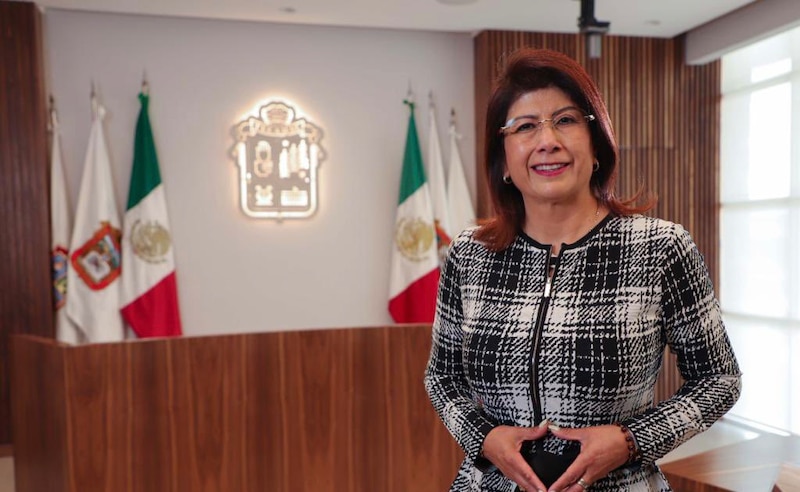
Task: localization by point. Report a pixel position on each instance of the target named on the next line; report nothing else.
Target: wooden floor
(722, 459)
(6, 475)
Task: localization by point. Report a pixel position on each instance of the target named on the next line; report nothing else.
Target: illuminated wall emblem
(277, 156)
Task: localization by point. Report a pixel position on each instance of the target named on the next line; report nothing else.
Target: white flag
(459, 203)
(436, 181)
(95, 260)
(59, 230)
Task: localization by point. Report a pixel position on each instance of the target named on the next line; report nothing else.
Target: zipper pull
(547, 287)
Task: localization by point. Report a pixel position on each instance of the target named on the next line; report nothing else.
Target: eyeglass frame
(551, 119)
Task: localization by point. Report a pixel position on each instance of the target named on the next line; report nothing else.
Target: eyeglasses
(564, 122)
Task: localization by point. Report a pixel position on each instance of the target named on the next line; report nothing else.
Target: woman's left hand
(603, 449)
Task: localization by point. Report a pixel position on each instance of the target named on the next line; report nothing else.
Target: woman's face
(549, 162)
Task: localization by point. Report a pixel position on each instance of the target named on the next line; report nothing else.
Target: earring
(595, 166)
(507, 179)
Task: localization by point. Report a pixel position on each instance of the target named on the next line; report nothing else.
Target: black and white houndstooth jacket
(586, 353)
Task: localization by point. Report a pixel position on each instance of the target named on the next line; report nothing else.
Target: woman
(552, 318)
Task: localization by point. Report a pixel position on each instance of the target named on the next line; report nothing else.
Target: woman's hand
(502, 447)
(603, 449)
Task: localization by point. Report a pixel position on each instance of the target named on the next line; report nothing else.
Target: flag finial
(145, 85)
(409, 100)
(51, 125)
(93, 97)
(453, 130)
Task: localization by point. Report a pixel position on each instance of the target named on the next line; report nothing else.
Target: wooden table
(747, 466)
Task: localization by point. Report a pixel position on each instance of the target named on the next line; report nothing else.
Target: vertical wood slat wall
(666, 118)
(25, 294)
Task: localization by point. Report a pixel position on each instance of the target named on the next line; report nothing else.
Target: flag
(59, 233)
(95, 261)
(459, 203)
(414, 274)
(438, 193)
(149, 286)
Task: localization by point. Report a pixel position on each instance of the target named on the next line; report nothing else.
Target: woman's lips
(549, 169)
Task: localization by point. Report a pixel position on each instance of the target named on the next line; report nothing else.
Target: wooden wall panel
(337, 410)
(665, 115)
(266, 414)
(25, 296)
(39, 449)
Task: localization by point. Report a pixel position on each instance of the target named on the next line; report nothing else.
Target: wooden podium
(340, 410)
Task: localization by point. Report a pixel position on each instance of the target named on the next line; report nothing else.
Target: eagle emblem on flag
(150, 241)
(414, 238)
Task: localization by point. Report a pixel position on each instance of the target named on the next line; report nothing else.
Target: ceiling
(651, 18)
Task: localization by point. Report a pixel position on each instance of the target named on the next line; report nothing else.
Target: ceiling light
(456, 2)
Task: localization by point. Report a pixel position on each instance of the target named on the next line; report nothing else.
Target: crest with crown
(277, 155)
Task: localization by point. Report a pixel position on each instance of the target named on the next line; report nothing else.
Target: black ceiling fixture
(592, 28)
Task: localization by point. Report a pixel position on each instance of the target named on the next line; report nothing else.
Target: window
(760, 225)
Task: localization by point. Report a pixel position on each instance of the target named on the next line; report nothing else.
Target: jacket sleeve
(694, 331)
(445, 379)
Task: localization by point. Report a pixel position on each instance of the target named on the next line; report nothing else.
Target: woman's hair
(527, 70)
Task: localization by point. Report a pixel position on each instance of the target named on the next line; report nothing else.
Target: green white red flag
(414, 274)
(149, 286)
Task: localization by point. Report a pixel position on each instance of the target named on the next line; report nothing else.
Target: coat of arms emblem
(277, 155)
(98, 261)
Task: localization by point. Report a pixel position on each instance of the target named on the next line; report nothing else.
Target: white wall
(237, 274)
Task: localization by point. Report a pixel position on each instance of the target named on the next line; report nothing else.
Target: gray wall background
(235, 273)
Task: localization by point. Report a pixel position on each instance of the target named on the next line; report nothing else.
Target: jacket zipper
(538, 328)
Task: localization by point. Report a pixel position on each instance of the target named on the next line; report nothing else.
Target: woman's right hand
(502, 447)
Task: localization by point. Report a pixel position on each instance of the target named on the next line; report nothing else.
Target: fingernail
(554, 428)
(542, 425)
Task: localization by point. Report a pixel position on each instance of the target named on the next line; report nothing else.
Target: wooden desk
(748, 466)
(339, 410)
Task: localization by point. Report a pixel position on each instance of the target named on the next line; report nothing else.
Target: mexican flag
(149, 287)
(414, 274)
